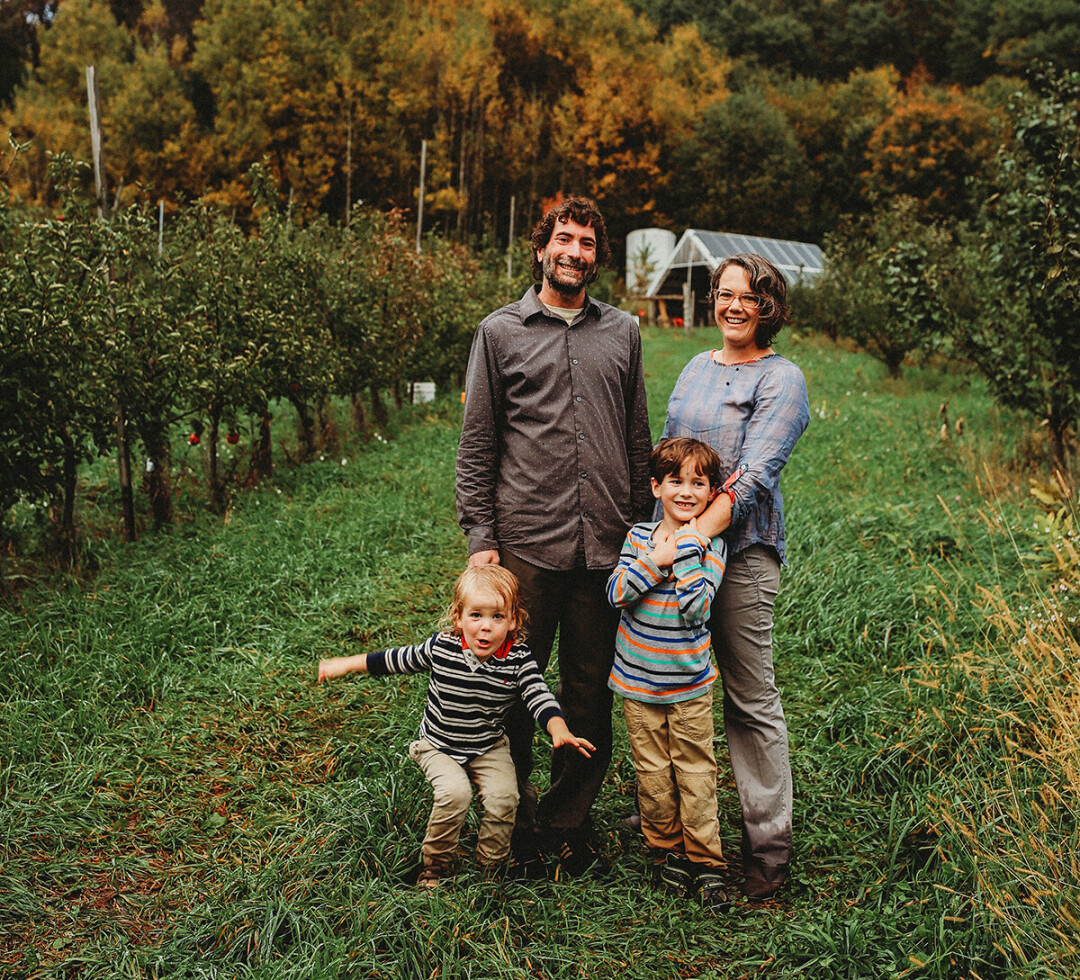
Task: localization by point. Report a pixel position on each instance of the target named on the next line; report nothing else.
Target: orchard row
(200, 329)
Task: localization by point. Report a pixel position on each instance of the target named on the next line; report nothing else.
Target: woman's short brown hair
(768, 282)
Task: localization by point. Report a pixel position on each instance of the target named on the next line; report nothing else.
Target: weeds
(179, 800)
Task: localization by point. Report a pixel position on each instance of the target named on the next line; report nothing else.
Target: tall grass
(1007, 796)
(177, 799)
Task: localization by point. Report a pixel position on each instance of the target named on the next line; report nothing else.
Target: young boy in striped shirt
(664, 584)
(479, 664)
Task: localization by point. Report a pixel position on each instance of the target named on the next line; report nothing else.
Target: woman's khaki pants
(754, 723)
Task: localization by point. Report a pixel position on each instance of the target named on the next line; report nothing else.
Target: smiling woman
(751, 406)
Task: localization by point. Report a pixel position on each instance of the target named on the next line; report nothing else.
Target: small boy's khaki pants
(672, 745)
(495, 778)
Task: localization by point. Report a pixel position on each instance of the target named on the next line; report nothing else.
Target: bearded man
(552, 470)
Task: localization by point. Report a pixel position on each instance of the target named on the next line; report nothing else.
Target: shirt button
(581, 435)
(578, 398)
(574, 361)
(584, 476)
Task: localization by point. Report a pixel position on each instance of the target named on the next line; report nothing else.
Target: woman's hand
(716, 517)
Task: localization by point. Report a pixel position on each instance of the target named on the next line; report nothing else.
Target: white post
(420, 205)
(160, 224)
(127, 499)
(95, 141)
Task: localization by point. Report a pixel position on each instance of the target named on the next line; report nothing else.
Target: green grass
(177, 799)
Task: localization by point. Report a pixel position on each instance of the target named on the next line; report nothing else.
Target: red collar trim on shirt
(716, 355)
(499, 654)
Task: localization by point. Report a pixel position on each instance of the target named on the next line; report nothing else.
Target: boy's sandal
(676, 876)
(712, 892)
(429, 877)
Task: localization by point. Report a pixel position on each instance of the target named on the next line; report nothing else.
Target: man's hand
(490, 557)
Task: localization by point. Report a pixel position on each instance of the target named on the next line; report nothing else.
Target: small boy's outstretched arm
(340, 666)
(561, 735)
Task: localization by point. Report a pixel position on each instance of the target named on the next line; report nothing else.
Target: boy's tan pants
(672, 745)
(495, 778)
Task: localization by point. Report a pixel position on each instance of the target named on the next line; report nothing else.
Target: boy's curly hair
(492, 581)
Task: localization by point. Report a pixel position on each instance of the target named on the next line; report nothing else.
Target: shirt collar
(475, 663)
(532, 307)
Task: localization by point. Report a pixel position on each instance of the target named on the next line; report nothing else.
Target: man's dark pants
(574, 603)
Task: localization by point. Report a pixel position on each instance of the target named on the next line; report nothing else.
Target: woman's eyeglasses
(750, 300)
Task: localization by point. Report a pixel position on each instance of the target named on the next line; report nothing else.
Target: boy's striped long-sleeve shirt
(468, 700)
(662, 651)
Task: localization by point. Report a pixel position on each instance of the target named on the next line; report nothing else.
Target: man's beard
(567, 287)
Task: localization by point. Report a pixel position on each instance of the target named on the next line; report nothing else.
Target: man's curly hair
(582, 210)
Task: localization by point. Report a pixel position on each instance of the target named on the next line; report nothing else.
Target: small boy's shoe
(677, 875)
(520, 868)
(430, 875)
(526, 862)
(712, 891)
(578, 857)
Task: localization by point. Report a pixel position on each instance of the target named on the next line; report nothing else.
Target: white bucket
(423, 392)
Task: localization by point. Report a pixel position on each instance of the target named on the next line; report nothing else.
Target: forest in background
(771, 118)
(282, 138)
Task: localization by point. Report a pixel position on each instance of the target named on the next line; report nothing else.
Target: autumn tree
(832, 122)
(50, 111)
(744, 171)
(935, 147)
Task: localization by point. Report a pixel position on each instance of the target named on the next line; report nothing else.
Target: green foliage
(1044, 30)
(1020, 312)
(53, 332)
(887, 283)
(743, 170)
(209, 327)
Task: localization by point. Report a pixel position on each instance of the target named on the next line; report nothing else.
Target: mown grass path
(177, 799)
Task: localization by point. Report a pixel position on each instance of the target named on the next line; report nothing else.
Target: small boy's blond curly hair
(492, 581)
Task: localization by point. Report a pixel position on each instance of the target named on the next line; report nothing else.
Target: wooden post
(160, 225)
(348, 163)
(510, 244)
(420, 203)
(123, 458)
